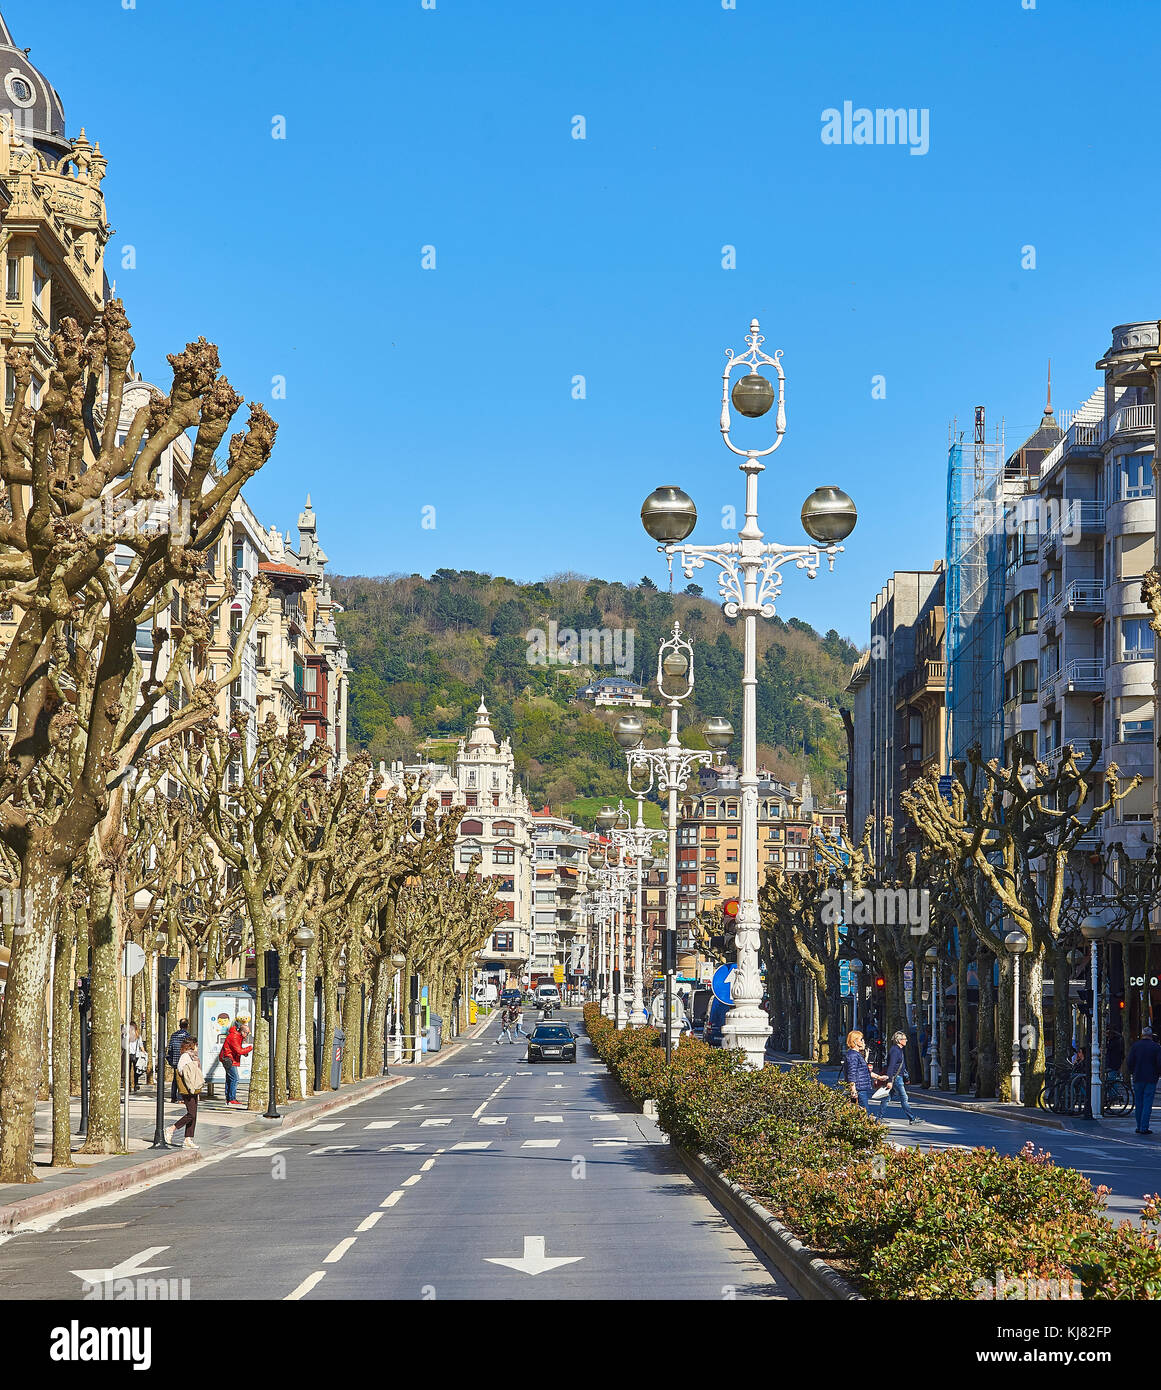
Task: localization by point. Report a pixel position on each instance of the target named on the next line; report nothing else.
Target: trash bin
(473, 1012)
(340, 1039)
(434, 1032)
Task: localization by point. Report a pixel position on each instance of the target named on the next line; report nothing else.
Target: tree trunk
(986, 1024)
(62, 1041)
(286, 1052)
(1061, 1013)
(20, 1022)
(351, 1020)
(329, 1003)
(105, 1061)
(1004, 1030)
(381, 984)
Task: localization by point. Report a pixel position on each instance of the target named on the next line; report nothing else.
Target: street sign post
(722, 984)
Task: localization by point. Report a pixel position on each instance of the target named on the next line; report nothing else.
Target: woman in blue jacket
(857, 1074)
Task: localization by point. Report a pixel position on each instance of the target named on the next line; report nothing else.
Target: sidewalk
(220, 1128)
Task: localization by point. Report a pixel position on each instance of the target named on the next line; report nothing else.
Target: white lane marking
(339, 1251)
(547, 1119)
(441, 1090)
(608, 1143)
(381, 1124)
(472, 1144)
(258, 1150)
(479, 1110)
(411, 1181)
(494, 1119)
(127, 1267)
(419, 1107)
(540, 1144)
(598, 1118)
(554, 1073)
(423, 1124)
(305, 1287)
(395, 1196)
(534, 1260)
(460, 1075)
(399, 1148)
(368, 1222)
(332, 1149)
(428, 1166)
(319, 1129)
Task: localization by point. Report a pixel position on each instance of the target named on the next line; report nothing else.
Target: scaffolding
(977, 493)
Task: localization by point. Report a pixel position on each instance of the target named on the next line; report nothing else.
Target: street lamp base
(747, 1031)
(638, 1018)
(1015, 1080)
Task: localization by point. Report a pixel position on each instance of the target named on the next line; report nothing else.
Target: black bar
(84, 1003)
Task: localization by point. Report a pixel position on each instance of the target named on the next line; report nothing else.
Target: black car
(511, 996)
(552, 1041)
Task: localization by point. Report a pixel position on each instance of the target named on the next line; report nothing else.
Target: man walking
(1145, 1069)
(896, 1076)
(234, 1048)
(518, 1029)
(173, 1052)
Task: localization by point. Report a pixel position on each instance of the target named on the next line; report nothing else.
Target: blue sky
(557, 257)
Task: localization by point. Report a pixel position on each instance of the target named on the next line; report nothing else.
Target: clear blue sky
(559, 257)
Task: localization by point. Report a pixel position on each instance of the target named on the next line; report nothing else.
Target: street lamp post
(303, 939)
(749, 582)
(669, 767)
(1016, 943)
(636, 842)
(398, 960)
(1093, 930)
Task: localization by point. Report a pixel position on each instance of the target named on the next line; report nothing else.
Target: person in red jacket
(234, 1048)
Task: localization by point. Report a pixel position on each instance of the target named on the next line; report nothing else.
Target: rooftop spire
(1048, 407)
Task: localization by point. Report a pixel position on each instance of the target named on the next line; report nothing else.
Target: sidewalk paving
(220, 1128)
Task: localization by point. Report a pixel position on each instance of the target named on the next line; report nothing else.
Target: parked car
(715, 1017)
(552, 1041)
(511, 996)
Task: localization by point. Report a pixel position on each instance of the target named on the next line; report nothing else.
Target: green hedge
(900, 1223)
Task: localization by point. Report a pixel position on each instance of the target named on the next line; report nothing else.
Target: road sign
(558, 974)
(945, 788)
(132, 960)
(723, 983)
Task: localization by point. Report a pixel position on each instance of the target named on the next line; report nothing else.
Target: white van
(548, 993)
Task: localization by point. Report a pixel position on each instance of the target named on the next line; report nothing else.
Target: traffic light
(880, 984)
(272, 970)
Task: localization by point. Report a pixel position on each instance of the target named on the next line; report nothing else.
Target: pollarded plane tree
(1016, 826)
(68, 478)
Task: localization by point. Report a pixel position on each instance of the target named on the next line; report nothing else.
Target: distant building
(615, 690)
(560, 878)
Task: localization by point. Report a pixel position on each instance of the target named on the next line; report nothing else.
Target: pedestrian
(1145, 1069)
(133, 1048)
(505, 1026)
(190, 1082)
(234, 1048)
(856, 1073)
(518, 1029)
(897, 1077)
(173, 1052)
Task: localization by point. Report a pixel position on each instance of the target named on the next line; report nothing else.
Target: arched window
(471, 827)
(470, 850)
(503, 827)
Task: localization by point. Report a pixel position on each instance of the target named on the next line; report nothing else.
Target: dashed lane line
(369, 1221)
(339, 1251)
(305, 1287)
(394, 1197)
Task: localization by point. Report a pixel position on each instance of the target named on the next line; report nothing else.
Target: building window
(471, 800)
(504, 854)
(731, 880)
(503, 941)
(504, 828)
(711, 808)
(711, 880)
(445, 798)
(731, 808)
(731, 832)
(1136, 473)
(469, 851)
(1136, 640)
(795, 859)
(39, 282)
(13, 279)
(9, 388)
(1136, 719)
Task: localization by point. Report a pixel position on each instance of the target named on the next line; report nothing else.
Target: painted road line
(423, 1124)
(494, 1120)
(411, 1181)
(608, 1143)
(428, 1166)
(305, 1287)
(381, 1124)
(368, 1222)
(395, 1196)
(339, 1251)
(472, 1144)
(540, 1144)
(547, 1119)
(259, 1151)
(332, 1149)
(399, 1148)
(319, 1129)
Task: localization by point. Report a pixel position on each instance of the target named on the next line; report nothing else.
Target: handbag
(881, 1093)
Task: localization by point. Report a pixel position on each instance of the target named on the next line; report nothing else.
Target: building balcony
(1075, 677)
(1081, 596)
(927, 678)
(1053, 758)
(1131, 419)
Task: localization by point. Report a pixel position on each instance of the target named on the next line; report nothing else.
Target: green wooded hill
(424, 650)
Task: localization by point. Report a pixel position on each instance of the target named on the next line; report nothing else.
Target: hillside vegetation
(424, 650)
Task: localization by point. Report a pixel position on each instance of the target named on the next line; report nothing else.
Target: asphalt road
(424, 1192)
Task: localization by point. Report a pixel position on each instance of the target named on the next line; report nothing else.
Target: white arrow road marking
(399, 1148)
(469, 1144)
(127, 1269)
(419, 1107)
(332, 1149)
(534, 1260)
(547, 1119)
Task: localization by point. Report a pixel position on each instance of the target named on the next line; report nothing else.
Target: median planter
(900, 1223)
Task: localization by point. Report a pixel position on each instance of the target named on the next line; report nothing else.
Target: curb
(31, 1208)
(1020, 1115)
(806, 1273)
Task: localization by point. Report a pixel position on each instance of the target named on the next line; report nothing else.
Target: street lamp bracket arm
(739, 562)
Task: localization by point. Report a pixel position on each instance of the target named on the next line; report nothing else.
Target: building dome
(30, 99)
(482, 735)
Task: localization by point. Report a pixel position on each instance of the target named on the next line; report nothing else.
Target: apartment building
(560, 879)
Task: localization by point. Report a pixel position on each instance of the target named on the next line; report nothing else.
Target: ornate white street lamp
(303, 939)
(636, 844)
(1016, 943)
(398, 960)
(669, 767)
(749, 582)
(1094, 930)
(931, 956)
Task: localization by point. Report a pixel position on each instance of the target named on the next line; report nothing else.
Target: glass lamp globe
(675, 664)
(606, 816)
(1092, 928)
(1016, 942)
(719, 732)
(752, 395)
(668, 514)
(828, 515)
(596, 859)
(628, 731)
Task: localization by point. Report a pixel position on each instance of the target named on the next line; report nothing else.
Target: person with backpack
(190, 1082)
(234, 1048)
(173, 1052)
